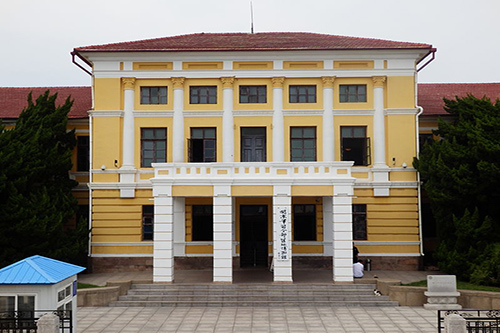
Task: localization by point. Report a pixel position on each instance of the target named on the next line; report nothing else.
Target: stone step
(254, 304)
(244, 298)
(197, 292)
(253, 286)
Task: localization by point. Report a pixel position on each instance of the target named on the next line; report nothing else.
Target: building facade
(235, 150)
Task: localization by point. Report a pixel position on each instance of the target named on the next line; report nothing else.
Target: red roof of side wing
(430, 95)
(14, 100)
(266, 41)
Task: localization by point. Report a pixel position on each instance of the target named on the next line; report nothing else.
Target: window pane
(308, 143)
(346, 132)
(359, 132)
(296, 132)
(25, 303)
(210, 133)
(160, 145)
(7, 303)
(147, 133)
(197, 133)
(309, 132)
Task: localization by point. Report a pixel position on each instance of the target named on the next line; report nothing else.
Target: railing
(26, 321)
(252, 170)
(476, 321)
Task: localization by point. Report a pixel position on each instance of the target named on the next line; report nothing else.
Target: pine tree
(461, 174)
(35, 196)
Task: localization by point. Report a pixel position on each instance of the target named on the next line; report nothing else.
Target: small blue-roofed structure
(38, 270)
(38, 284)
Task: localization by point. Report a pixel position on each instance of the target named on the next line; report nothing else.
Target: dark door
(253, 144)
(253, 236)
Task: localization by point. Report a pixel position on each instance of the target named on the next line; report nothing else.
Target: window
(302, 94)
(153, 95)
(352, 93)
(203, 144)
(355, 145)
(82, 153)
(148, 217)
(302, 144)
(304, 222)
(359, 222)
(253, 144)
(203, 95)
(203, 223)
(153, 146)
(253, 94)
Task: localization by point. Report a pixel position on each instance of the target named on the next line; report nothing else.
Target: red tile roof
(266, 41)
(430, 95)
(14, 100)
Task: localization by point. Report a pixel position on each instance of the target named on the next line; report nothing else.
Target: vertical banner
(283, 250)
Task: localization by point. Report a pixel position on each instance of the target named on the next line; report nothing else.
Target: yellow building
(238, 150)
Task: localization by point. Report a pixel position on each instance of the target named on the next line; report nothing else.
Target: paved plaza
(241, 320)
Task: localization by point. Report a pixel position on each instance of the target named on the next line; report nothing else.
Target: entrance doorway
(253, 236)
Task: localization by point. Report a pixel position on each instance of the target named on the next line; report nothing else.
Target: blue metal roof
(38, 270)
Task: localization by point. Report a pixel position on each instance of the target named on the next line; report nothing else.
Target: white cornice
(203, 113)
(354, 112)
(303, 112)
(156, 114)
(106, 113)
(247, 113)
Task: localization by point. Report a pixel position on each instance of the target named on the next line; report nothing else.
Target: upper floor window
(253, 94)
(153, 146)
(203, 144)
(352, 93)
(153, 95)
(203, 95)
(304, 222)
(355, 145)
(302, 144)
(302, 94)
(82, 153)
(359, 222)
(148, 217)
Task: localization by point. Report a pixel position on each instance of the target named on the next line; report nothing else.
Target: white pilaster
(128, 142)
(328, 133)
(227, 119)
(179, 226)
(163, 254)
(178, 121)
(282, 234)
(327, 226)
(278, 123)
(342, 234)
(380, 169)
(223, 234)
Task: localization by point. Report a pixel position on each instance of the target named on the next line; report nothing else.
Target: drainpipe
(419, 190)
(90, 179)
(73, 54)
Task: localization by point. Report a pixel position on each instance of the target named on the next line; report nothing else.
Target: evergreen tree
(35, 192)
(461, 174)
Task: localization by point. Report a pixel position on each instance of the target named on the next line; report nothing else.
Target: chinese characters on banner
(283, 251)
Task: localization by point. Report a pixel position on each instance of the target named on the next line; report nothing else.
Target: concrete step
(253, 286)
(253, 304)
(242, 298)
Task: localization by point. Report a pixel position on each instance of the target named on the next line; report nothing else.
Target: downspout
(419, 187)
(91, 147)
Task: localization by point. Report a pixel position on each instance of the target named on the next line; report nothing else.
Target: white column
(278, 123)
(282, 234)
(380, 169)
(227, 119)
(342, 234)
(179, 226)
(327, 226)
(328, 132)
(128, 142)
(163, 254)
(379, 121)
(223, 235)
(178, 120)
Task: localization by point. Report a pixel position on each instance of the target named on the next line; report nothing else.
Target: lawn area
(460, 285)
(86, 285)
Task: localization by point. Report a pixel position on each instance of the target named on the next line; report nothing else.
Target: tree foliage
(461, 174)
(35, 188)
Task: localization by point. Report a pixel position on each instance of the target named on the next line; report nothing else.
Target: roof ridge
(34, 265)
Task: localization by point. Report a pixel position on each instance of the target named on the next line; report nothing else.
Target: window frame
(196, 95)
(259, 95)
(148, 220)
(155, 150)
(192, 142)
(296, 220)
(346, 91)
(303, 139)
(146, 99)
(359, 217)
(294, 94)
(365, 159)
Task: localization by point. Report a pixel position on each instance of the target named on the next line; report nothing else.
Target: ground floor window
(148, 217)
(304, 222)
(203, 223)
(359, 222)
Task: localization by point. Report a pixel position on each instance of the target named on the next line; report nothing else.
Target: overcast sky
(37, 36)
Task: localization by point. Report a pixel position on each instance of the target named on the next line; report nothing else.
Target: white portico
(333, 182)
